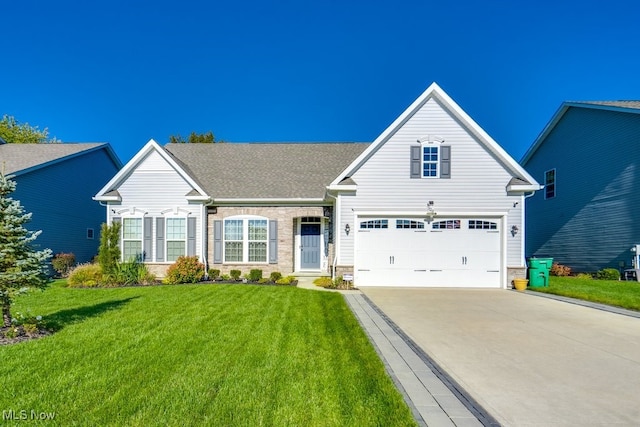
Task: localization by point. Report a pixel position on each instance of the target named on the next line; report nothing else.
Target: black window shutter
(147, 231)
(191, 236)
(160, 239)
(445, 161)
(273, 241)
(217, 241)
(416, 163)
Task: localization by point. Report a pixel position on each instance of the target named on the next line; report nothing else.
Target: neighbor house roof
(632, 107)
(18, 159)
(254, 171)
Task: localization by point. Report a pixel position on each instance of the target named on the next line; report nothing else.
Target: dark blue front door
(310, 246)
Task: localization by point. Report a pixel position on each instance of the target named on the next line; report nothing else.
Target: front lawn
(612, 292)
(198, 355)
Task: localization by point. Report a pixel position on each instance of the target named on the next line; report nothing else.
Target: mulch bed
(21, 335)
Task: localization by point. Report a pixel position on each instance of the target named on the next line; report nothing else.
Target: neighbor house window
(550, 184)
(176, 238)
(245, 240)
(131, 238)
(90, 233)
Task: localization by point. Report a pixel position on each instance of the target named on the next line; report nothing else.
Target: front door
(310, 246)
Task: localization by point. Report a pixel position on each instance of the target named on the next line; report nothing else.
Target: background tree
(21, 267)
(194, 138)
(14, 132)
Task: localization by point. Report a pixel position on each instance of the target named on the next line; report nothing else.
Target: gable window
(176, 238)
(430, 160)
(131, 238)
(550, 184)
(375, 223)
(245, 240)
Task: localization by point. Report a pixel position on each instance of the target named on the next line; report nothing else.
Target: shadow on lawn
(58, 320)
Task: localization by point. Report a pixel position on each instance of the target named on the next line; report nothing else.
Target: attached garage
(445, 252)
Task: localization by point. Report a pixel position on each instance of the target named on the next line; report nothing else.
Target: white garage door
(452, 252)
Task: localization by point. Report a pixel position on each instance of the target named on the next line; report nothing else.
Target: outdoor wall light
(514, 230)
(347, 229)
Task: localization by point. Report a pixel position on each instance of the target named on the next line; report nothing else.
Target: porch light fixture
(347, 229)
(431, 212)
(514, 230)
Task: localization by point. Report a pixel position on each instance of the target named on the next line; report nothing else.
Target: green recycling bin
(539, 271)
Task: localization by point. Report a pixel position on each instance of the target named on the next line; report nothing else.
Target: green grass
(612, 292)
(199, 355)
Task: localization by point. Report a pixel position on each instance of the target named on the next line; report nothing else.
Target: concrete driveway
(528, 360)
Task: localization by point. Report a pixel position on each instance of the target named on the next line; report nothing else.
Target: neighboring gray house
(433, 201)
(55, 182)
(588, 159)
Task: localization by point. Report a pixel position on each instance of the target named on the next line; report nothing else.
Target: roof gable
(435, 92)
(18, 159)
(109, 191)
(630, 107)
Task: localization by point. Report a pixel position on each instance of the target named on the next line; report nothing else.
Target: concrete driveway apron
(528, 360)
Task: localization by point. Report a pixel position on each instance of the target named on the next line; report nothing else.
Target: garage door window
(406, 223)
(482, 225)
(374, 223)
(450, 224)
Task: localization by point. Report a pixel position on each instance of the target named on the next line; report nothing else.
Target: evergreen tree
(21, 267)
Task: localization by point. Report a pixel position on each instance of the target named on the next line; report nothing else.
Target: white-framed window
(176, 237)
(131, 238)
(550, 184)
(246, 239)
(374, 223)
(430, 161)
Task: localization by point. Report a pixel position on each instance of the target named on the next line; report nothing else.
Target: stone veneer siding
(287, 216)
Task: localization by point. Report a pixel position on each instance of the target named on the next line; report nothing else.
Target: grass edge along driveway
(199, 355)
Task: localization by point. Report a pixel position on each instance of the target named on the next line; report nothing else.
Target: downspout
(525, 196)
(204, 237)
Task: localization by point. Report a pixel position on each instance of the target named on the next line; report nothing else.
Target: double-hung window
(550, 184)
(245, 240)
(176, 238)
(430, 161)
(131, 238)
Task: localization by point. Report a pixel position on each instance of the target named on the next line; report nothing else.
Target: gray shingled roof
(19, 157)
(265, 171)
(621, 104)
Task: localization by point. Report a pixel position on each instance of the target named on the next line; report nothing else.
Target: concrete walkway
(527, 360)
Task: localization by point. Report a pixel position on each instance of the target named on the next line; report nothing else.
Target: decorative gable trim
(152, 145)
(434, 91)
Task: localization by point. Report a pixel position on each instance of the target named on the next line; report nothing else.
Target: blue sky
(126, 71)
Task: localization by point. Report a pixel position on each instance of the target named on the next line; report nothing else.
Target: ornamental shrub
(608, 274)
(255, 275)
(85, 275)
(213, 273)
(559, 270)
(186, 269)
(235, 274)
(63, 262)
(323, 282)
(275, 276)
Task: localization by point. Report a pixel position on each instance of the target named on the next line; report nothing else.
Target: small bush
(225, 277)
(63, 262)
(608, 274)
(263, 281)
(283, 281)
(235, 274)
(85, 275)
(323, 282)
(186, 269)
(255, 275)
(275, 276)
(559, 270)
(584, 276)
(213, 273)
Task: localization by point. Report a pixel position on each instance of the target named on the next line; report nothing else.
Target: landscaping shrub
(186, 269)
(323, 282)
(275, 276)
(63, 262)
(608, 274)
(225, 277)
(85, 275)
(584, 276)
(286, 280)
(255, 275)
(559, 270)
(235, 274)
(213, 273)
(109, 250)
